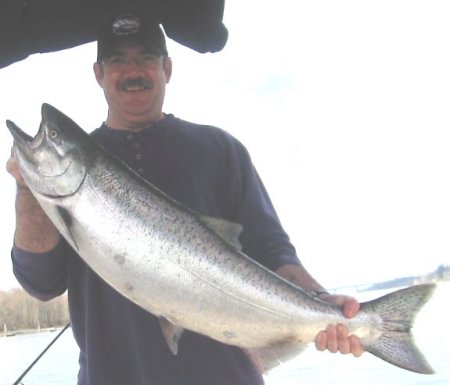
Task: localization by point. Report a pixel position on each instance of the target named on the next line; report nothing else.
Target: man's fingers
(355, 346)
(13, 168)
(332, 340)
(336, 339)
(321, 341)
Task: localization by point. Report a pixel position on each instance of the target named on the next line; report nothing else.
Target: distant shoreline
(13, 333)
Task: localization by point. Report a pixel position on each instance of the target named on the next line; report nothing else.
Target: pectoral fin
(172, 333)
(62, 219)
(65, 225)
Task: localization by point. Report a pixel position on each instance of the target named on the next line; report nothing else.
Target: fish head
(53, 163)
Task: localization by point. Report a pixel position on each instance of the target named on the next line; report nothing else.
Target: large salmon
(186, 269)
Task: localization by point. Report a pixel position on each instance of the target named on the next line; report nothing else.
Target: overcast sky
(344, 106)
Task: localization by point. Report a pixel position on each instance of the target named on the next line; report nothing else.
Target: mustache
(139, 82)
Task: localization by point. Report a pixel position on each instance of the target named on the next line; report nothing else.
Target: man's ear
(99, 74)
(168, 68)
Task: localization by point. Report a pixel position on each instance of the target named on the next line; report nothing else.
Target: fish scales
(193, 262)
(165, 255)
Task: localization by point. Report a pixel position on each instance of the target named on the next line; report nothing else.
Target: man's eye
(149, 57)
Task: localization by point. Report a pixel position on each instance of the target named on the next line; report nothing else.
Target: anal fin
(270, 357)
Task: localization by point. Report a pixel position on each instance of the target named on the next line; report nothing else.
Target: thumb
(350, 307)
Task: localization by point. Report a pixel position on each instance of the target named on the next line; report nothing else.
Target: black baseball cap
(129, 27)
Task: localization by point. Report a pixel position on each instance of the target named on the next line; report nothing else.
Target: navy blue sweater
(207, 170)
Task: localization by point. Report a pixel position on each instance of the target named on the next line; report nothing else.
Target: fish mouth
(24, 141)
(51, 164)
(18, 134)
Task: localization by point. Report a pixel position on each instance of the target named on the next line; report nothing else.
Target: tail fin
(398, 311)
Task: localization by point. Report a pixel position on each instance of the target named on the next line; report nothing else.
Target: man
(202, 167)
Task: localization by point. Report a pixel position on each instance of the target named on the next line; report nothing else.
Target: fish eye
(53, 134)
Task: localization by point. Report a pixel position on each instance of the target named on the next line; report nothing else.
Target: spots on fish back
(119, 259)
(129, 287)
(229, 335)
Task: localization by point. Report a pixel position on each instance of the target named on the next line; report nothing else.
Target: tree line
(20, 311)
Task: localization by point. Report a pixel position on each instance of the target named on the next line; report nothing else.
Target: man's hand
(34, 230)
(13, 168)
(336, 338)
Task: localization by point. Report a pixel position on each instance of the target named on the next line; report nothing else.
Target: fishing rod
(19, 380)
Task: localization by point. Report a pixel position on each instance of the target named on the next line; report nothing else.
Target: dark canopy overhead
(37, 26)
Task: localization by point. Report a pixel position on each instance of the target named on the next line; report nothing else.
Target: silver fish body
(187, 269)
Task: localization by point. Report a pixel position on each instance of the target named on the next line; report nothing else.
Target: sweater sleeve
(263, 237)
(42, 275)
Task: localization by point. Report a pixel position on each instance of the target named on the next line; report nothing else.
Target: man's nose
(135, 64)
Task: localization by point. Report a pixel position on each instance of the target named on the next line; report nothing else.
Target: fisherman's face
(134, 83)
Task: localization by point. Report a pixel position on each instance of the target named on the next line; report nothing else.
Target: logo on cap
(127, 24)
